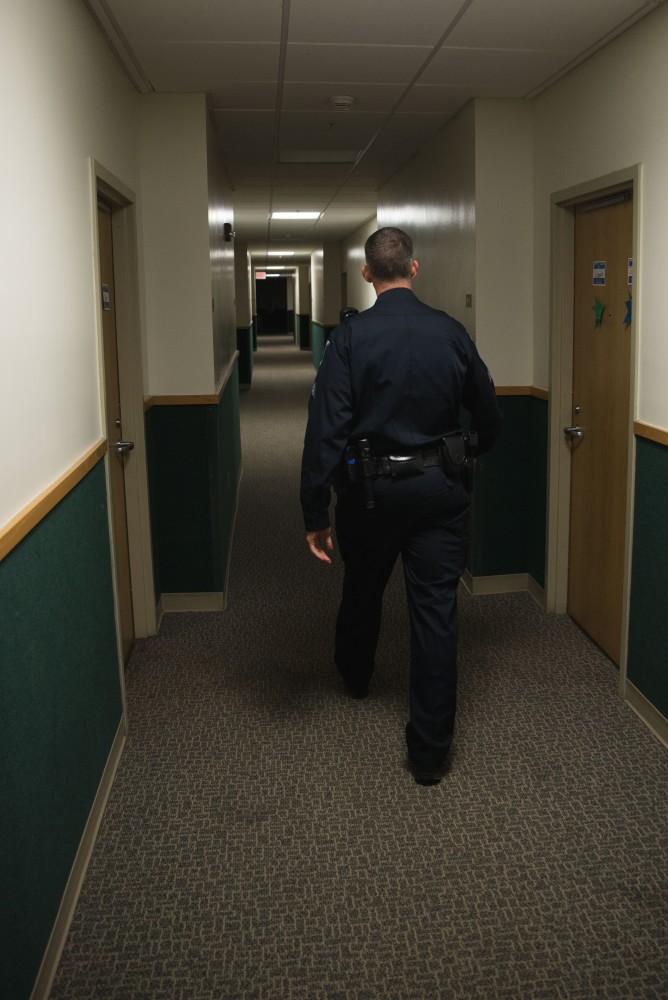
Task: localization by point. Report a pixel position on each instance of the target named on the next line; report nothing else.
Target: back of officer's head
(389, 254)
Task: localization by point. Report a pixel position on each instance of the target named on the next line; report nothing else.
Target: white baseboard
(507, 583)
(650, 715)
(207, 600)
(68, 903)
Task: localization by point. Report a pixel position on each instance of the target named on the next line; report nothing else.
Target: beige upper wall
(433, 199)
(331, 304)
(303, 303)
(64, 99)
(360, 293)
(317, 286)
(504, 238)
(176, 241)
(221, 258)
(326, 284)
(607, 115)
(242, 284)
(467, 202)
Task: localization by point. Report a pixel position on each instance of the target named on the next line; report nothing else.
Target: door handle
(122, 447)
(574, 434)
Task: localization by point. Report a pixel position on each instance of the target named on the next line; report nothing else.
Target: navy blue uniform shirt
(398, 374)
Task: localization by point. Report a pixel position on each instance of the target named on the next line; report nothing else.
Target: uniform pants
(424, 519)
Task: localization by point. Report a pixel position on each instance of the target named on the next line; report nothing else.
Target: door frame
(562, 273)
(123, 203)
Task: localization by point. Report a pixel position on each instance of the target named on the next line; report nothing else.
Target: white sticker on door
(599, 270)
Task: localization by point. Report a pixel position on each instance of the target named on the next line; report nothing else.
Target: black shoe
(357, 691)
(425, 776)
(426, 771)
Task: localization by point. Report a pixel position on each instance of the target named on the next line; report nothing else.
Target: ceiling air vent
(340, 102)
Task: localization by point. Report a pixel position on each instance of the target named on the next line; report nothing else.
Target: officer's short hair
(389, 254)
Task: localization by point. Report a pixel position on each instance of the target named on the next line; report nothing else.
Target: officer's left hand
(318, 541)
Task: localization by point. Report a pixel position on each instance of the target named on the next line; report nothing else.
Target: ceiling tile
(244, 94)
(438, 98)
(347, 64)
(198, 20)
(569, 25)
(206, 66)
(412, 127)
(244, 130)
(328, 131)
(315, 96)
(354, 23)
(505, 72)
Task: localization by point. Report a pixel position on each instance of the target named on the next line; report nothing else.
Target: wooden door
(601, 408)
(114, 430)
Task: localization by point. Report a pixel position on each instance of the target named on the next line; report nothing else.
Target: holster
(459, 450)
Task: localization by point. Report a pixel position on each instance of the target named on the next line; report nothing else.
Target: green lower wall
(319, 335)
(59, 713)
(509, 500)
(194, 456)
(648, 628)
(317, 342)
(245, 349)
(303, 332)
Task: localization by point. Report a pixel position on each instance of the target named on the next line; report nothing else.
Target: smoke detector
(341, 102)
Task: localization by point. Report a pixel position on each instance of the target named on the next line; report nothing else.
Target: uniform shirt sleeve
(479, 398)
(329, 424)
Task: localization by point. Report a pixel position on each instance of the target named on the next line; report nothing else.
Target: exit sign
(260, 275)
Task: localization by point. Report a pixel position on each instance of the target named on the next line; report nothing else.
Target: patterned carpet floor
(264, 841)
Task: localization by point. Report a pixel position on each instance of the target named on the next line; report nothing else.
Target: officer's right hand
(318, 541)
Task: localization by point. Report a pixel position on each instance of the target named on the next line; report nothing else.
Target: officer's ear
(366, 274)
(415, 267)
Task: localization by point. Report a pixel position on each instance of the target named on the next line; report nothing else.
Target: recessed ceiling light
(280, 253)
(295, 215)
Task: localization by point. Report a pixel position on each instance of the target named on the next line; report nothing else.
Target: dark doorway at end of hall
(273, 316)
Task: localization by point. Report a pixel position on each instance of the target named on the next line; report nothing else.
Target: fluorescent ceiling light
(280, 253)
(274, 275)
(295, 215)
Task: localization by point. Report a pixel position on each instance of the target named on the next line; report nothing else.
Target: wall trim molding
(504, 583)
(34, 512)
(207, 600)
(522, 390)
(70, 897)
(650, 433)
(655, 721)
(196, 399)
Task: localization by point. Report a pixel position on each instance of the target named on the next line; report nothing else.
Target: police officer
(385, 428)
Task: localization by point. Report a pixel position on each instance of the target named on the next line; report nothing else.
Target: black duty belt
(454, 453)
(393, 465)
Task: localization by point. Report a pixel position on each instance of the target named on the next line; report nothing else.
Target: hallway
(263, 839)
